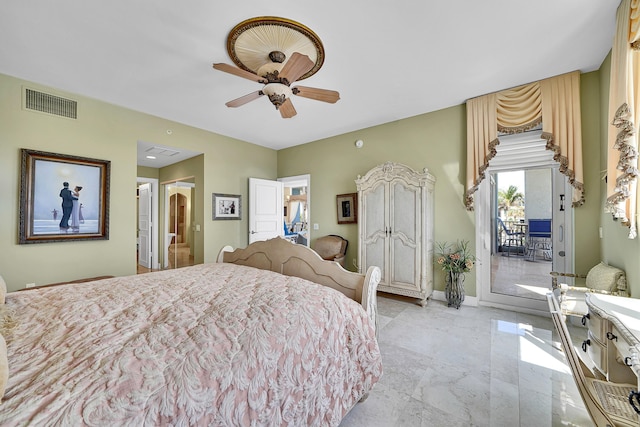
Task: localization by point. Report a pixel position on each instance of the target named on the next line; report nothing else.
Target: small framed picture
(63, 198)
(347, 205)
(227, 206)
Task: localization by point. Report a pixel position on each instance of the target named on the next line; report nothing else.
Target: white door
(527, 153)
(266, 216)
(144, 225)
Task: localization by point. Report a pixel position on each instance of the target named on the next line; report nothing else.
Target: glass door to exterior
(523, 226)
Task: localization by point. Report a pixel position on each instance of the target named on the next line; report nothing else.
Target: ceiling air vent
(51, 104)
(161, 151)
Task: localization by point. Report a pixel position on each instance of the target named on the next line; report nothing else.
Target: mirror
(179, 223)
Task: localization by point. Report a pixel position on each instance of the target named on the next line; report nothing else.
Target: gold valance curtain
(624, 111)
(554, 102)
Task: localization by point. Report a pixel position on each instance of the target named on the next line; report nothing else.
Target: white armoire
(395, 228)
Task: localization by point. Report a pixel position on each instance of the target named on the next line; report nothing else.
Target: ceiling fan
(277, 77)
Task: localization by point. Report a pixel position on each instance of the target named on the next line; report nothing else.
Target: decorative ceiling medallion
(252, 41)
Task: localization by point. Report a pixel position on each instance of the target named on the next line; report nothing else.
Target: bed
(269, 335)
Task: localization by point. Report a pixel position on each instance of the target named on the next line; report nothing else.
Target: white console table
(613, 342)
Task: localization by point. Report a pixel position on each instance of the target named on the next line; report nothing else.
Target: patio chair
(539, 239)
(511, 237)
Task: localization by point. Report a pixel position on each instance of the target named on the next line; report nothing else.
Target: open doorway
(158, 165)
(296, 208)
(524, 224)
(280, 208)
(522, 257)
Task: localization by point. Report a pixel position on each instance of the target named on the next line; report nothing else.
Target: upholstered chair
(331, 248)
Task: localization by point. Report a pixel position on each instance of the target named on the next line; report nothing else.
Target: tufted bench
(602, 278)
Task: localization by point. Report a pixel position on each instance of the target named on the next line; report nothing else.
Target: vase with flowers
(455, 260)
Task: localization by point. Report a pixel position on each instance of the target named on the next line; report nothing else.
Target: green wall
(436, 141)
(105, 131)
(617, 248)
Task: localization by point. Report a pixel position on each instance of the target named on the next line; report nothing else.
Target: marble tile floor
(517, 276)
(475, 366)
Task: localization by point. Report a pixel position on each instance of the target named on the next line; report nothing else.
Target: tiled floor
(518, 276)
(476, 366)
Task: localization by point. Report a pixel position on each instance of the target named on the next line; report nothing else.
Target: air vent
(50, 104)
(162, 151)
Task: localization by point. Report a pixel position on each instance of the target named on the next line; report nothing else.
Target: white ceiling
(388, 59)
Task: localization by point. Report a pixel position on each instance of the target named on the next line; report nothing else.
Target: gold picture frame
(63, 198)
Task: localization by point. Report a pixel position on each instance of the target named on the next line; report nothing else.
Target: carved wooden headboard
(291, 259)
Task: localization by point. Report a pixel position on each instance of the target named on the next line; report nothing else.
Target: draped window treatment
(554, 102)
(624, 115)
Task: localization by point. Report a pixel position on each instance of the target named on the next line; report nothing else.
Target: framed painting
(347, 205)
(63, 198)
(227, 206)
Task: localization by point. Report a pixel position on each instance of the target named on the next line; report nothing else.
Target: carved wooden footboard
(291, 259)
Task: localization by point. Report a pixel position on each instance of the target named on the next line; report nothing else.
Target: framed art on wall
(227, 206)
(63, 198)
(347, 206)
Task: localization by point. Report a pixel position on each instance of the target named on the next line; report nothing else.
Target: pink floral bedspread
(213, 344)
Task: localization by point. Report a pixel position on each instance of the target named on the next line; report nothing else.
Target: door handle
(253, 232)
(561, 232)
(634, 396)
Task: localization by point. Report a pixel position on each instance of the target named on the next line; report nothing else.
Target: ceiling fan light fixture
(277, 93)
(270, 70)
(276, 52)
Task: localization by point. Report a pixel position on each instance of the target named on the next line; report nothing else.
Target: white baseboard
(468, 300)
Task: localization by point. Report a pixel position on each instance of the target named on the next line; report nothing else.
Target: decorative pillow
(604, 277)
(3, 290)
(4, 366)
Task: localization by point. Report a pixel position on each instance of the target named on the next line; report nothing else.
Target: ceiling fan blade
(295, 67)
(239, 72)
(287, 110)
(323, 95)
(244, 99)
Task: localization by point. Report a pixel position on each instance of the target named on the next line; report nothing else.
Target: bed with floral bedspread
(212, 344)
